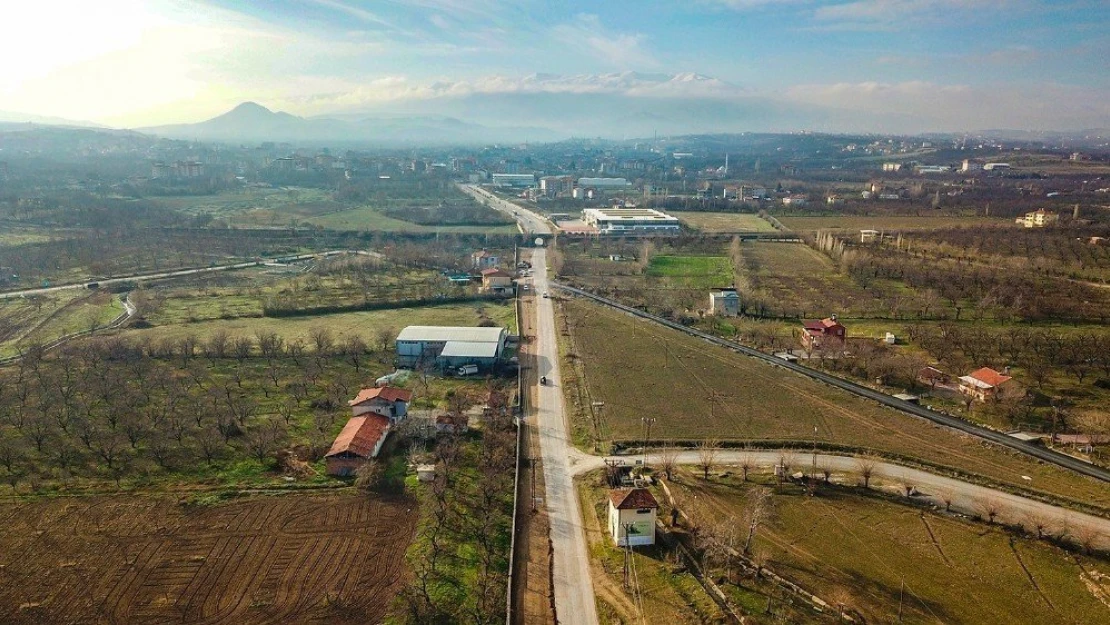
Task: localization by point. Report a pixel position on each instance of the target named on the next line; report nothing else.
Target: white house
(387, 401)
(724, 302)
(632, 516)
(484, 260)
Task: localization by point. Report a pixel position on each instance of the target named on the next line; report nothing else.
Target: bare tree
(369, 475)
(322, 341)
(708, 453)
(1086, 537)
(354, 348)
(668, 459)
(990, 509)
(946, 496)
(385, 336)
(757, 510)
(867, 469)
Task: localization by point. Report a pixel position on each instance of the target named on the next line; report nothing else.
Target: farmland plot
(697, 391)
(295, 558)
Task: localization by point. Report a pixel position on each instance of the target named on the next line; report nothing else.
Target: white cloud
(587, 35)
(892, 12)
(925, 106)
(349, 96)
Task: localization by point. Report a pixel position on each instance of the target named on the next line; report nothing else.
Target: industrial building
(514, 180)
(630, 221)
(448, 346)
(603, 183)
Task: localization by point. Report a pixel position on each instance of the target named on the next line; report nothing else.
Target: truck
(466, 370)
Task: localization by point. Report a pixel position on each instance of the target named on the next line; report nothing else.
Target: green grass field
(885, 222)
(365, 324)
(857, 550)
(691, 270)
(724, 222)
(41, 319)
(669, 595)
(698, 391)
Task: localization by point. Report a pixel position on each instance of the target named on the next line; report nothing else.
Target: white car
(545, 295)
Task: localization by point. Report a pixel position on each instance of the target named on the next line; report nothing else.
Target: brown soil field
(137, 559)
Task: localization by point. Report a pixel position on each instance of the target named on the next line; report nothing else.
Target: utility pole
(813, 474)
(901, 592)
(648, 422)
(596, 411)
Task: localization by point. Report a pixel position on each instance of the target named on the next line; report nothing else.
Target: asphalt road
(173, 274)
(966, 498)
(1047, 455)
(574, 593)
(528, 221)
(573, 587)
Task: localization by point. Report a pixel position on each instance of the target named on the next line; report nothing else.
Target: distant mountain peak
(250, 107)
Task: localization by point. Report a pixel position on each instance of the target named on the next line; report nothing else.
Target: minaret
(726, 163)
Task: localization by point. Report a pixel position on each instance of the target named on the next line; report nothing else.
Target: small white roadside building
(632, 516)
(724, 302)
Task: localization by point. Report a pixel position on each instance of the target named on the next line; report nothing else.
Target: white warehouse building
(514, 180)
(450, 346)
(630, 221)
(604, 183)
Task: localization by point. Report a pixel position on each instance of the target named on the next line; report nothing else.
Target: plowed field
(286, 559)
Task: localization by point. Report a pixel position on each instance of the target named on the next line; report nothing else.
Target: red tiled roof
(821, 325)
(360, 435)
(989, 376)
(632, 498)
(388, 393)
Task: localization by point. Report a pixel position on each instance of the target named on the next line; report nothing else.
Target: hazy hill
(251, 122)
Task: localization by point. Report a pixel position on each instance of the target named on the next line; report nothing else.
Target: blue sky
(948, 62)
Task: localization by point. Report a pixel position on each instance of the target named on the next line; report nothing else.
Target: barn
(448, 346)
(360, 440)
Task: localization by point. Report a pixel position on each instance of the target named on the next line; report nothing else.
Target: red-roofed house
(387, 401)
(824, 333)
(632, 516)
(360, 440)
(983, 384)
(494, 280)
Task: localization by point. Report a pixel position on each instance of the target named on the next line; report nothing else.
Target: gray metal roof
(462, 349)
(436, 334)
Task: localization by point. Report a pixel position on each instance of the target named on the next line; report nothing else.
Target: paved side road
(574, 592)
(180, 272)
(966, 498)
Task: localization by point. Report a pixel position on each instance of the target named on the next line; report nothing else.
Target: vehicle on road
(93, 285)
(543, 380)
(545, 295)
(524, 287)
(466, 370)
